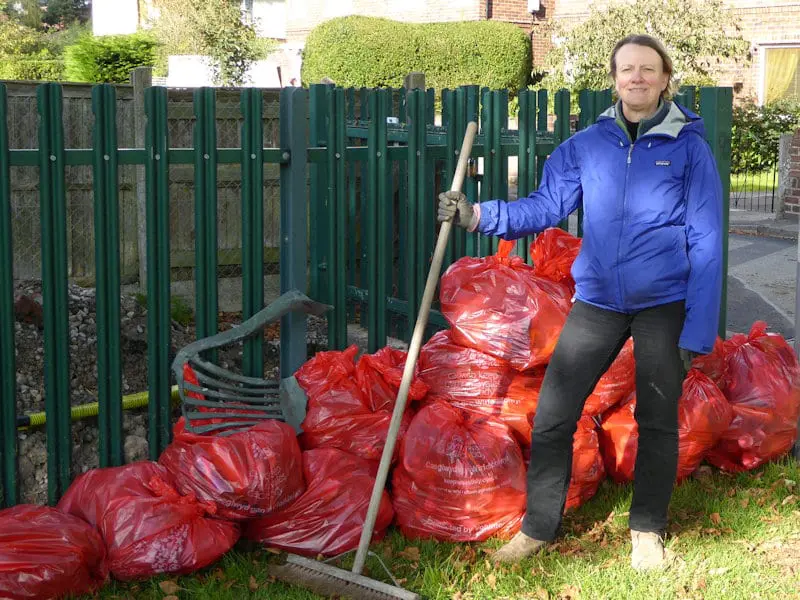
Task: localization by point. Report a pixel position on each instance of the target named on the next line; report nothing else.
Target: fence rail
(357, 217)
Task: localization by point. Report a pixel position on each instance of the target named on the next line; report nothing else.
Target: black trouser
(591, 339)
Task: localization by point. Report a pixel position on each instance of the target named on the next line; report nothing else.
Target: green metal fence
(359, 173)
(105, 158)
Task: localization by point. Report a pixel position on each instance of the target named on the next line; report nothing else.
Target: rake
(322, 577)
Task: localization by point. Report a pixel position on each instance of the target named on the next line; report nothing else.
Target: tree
(64, 12)
(214, 28)
(698, 35)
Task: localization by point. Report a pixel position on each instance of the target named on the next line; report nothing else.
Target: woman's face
(640, 78)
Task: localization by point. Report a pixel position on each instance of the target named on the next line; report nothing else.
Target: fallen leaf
(710, 531)
(491, 580)
(475, 578)
(169, 587)
(170, 598)
(719, 571)
(569, 592)
(789, 484)
(731, 492)
(715, 518)
(273, 551)
(410, 553)
(457, 596)
(744, 502)
(789, 499)
(253, 584)
(700, 584)
(541, 594)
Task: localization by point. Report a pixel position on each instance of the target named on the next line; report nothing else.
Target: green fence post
(337, 221)
(252, 162)
(55, 297)
(158, 275)
(352, 206)
(486, 244)
(541, 127)
(716, 108)
(526, 166)
(379, 203)
(471, 101)
(318, 201)
(562, 130)
(205, 214)
(294, 224)
(9, 493)
(449, 121)
(416, 131)
(106, 225)
(361, 199)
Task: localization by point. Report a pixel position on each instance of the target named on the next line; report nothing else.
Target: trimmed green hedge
(373, 52)
(15, 68)
(108, 59)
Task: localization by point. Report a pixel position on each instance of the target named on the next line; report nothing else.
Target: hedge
(359, 51)
(756, 132)
(15, 68)
(108, 59)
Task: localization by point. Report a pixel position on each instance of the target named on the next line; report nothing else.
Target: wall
(789, 189)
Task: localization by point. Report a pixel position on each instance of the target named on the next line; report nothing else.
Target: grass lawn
(764, 181)
(738, 536)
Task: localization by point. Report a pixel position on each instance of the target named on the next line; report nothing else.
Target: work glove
(687, 356)
(455, 206)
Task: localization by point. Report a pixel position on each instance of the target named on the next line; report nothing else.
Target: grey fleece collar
(672, 120)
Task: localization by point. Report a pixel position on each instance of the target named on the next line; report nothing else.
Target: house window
(781, 74)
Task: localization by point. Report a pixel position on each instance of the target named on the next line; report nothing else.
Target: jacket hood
(677, 119)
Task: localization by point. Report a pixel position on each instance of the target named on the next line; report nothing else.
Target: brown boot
(648, 551)
(521, 546)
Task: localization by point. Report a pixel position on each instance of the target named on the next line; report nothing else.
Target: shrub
(45, 68)
(374, 52)
(756, 133)
(108, 59)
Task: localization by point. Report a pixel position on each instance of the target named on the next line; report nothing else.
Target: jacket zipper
(619, 242)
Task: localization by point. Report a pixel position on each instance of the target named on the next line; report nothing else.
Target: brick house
(772, 27)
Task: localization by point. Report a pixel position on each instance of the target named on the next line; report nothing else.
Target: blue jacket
(652, 218)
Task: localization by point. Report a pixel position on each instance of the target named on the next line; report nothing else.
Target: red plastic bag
(246, 474)
(614, 385)
(148, 526)
(327, 519)
(161, 531)
(379, 375)
(45, 553)
(552, 253)
(478, 382)
(703, 416)
(93, 492)
(497, 305)
(619, 440)
(763, 388)
(588, 469)
(461, 477)
(713, 364)
(350, 405)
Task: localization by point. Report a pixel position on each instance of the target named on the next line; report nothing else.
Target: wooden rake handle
(413, 354)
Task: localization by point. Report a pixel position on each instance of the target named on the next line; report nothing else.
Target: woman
(650, 267)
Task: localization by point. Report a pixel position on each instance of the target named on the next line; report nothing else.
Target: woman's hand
(455, 206)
